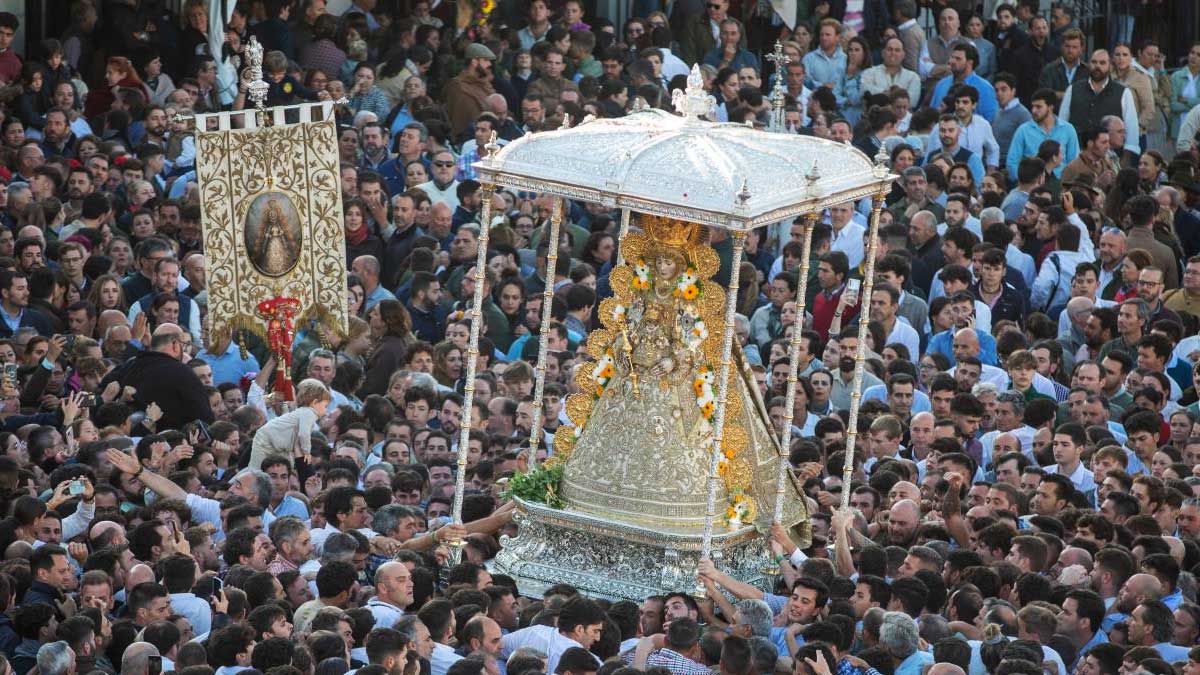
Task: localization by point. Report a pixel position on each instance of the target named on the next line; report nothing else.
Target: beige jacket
(1143, 97)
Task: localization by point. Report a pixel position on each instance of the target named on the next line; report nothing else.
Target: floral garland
(741, 509)
(687, 287)
(705, 397)
(641, 278)
(603, 371)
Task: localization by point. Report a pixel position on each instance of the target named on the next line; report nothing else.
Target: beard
(846, 364)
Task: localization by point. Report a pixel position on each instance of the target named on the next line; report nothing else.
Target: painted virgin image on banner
(273, 233)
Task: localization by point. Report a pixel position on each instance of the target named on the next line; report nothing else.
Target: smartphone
(202, 435)
(155, 665)
(87, 401)
(70, 342)
(10, 373)
(76, 487)
(852, 287)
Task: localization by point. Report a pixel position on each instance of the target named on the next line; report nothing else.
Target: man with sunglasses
(702, 31)
(442, 187)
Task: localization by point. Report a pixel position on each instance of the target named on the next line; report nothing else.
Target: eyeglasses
(1148, 284)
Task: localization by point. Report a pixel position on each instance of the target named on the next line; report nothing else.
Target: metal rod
(621, 236)
(464, 431)
(714, 478)
(535, 431)
(860, 355)
(785, 440)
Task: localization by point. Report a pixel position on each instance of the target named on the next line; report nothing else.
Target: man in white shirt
(580, 622)
(1068, 444)
(847, 234)
(976, 134)
(891, 73)
(885, 301)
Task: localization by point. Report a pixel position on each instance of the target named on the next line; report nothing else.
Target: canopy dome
(651, 161)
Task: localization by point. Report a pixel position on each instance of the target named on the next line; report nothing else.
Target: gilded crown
(672, 232)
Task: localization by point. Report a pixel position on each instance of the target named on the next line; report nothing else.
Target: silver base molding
(619, 561)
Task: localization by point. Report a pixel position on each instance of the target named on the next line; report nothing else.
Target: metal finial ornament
(743, 194)
(881, 163)
(492, 147)
(252, 77)
(566, 123)
(779, 91)
(811, 179)
(694, 102)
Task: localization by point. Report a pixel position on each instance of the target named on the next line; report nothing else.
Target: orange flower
(690, 292)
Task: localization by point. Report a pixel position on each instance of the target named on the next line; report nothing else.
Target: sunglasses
(713, 5)
(443, 164)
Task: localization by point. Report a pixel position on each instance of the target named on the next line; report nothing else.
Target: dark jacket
(40, 591)
(30, 318)
(387, 356)
(1028, 60)
(1012, 305)
(697, 39)
(8, 635)
(168, 382)
(274, 34)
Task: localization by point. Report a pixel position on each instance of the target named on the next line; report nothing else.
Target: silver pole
(785, 441)
(714, 479)
(464, 431)
(621, 234)
(860, 356)
(535, 431)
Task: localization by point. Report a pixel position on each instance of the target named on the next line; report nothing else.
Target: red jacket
(823, 308)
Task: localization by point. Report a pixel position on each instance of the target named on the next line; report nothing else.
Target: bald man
(1073, 320)
(136, 658)
(138, 574)
(1137, 589)
(107, 533)
(904, 490)
(903, 519)
(944, 669)
(159, 375)
(393, 592)
(367, 269)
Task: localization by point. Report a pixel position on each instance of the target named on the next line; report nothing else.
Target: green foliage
(539, 485)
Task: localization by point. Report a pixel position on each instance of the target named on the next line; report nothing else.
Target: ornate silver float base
(617, 560)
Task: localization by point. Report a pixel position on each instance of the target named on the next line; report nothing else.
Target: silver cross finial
(779, 58)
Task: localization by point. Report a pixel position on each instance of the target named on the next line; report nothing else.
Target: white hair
(55, 658)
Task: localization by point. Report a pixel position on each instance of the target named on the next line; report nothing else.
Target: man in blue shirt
(226, 360)
(963, 60)
(826, 65)
(1043, 126)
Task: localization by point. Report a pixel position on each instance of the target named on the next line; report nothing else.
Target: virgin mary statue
(641, 443)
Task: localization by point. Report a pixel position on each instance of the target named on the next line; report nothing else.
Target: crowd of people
(1028, 444)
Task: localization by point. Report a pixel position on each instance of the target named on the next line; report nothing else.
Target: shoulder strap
(1057, 278)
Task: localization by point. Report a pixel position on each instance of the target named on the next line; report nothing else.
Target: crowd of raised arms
(1026, 487)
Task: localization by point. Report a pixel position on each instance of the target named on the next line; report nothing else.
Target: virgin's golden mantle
(642, 451)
